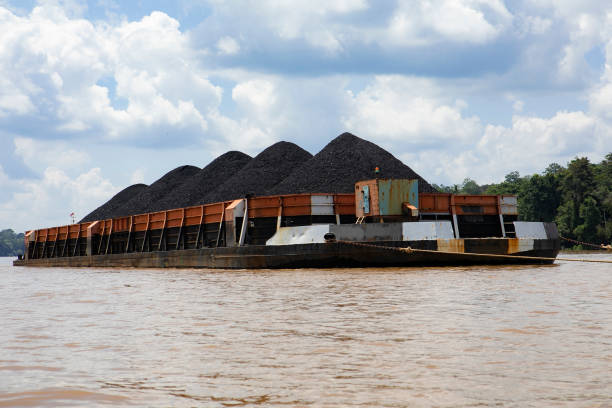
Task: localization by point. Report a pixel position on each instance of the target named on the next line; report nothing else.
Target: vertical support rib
(501, 217)
(65, 241)
(279, 217)
(161, 236)
(76, 245)
(55, 242)
(101, 238)
(110, 235)
(220, 225)
(245, 220)
(127, 245)
(200, 227)
(178, 239)
(44, 249)
(144, 239)
(455, 223)
(336, 209)
(89, 249)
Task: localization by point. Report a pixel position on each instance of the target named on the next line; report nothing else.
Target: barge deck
(385, 223)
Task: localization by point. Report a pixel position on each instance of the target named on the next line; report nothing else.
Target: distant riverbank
(11, 244)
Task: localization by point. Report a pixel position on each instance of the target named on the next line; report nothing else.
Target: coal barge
(385, 222)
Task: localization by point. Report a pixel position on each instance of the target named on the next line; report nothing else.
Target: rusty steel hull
(317, 255)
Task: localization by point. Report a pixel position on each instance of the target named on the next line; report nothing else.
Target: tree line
(577, 197)
(11, 244)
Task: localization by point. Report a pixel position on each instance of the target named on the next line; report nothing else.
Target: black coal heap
(109, 208)
(344, 161)
(194, 189)
(266, 170)
(283, 168)
(148, 199)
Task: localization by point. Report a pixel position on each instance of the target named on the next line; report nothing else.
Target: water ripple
(447, 337)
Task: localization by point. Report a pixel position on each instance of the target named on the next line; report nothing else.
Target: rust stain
(451, 245)
(513, 245)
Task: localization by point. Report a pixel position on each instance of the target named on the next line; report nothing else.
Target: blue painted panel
(365, 199)
(392, 193)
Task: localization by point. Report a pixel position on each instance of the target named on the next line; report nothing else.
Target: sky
(97, 95)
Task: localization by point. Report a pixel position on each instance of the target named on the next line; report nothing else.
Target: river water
(415, 337)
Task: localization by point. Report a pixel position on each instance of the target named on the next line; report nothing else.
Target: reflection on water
(469, 336)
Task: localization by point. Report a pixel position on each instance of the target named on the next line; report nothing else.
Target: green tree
(603, 194)
(590, 217)
(539, 197)
(554, 169)
(446, 189)
(11, 244)
(565, 219)
(577, 197)
(511, 184)
(577, 183)
(469, 186)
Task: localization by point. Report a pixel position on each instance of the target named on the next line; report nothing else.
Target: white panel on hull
(530, 230)
(427, 230)
(307, 234)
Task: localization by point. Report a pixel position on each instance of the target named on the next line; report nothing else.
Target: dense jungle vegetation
(11, 244)
(577, 197)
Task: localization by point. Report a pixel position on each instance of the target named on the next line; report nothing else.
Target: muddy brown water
(414, 337)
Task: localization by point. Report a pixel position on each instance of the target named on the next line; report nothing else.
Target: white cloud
(67, 182)
(418, 122)
(426, 22)
(585, 34)
(258, 123)
(137, 176)
(573, 28)
(54, 63)
(315, 21)
(327, 25)
(40, 154)
(518, 106)
(240, 134)
(537, 25)
(292, 19)
(600, 99)
(326, 40)
(569, 9)
(228, 46)
(411, 111)
(256, 96)
(48, 202)
(271, 108)
(528, 146)
(4, 178)
(532, 139)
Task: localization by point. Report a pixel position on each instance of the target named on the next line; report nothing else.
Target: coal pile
(194, 189)
(344, 161)
(108, 209)
(283, 168)
(262, 173)
(148, 199)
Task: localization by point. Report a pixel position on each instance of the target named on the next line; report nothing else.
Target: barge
(386, 222)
